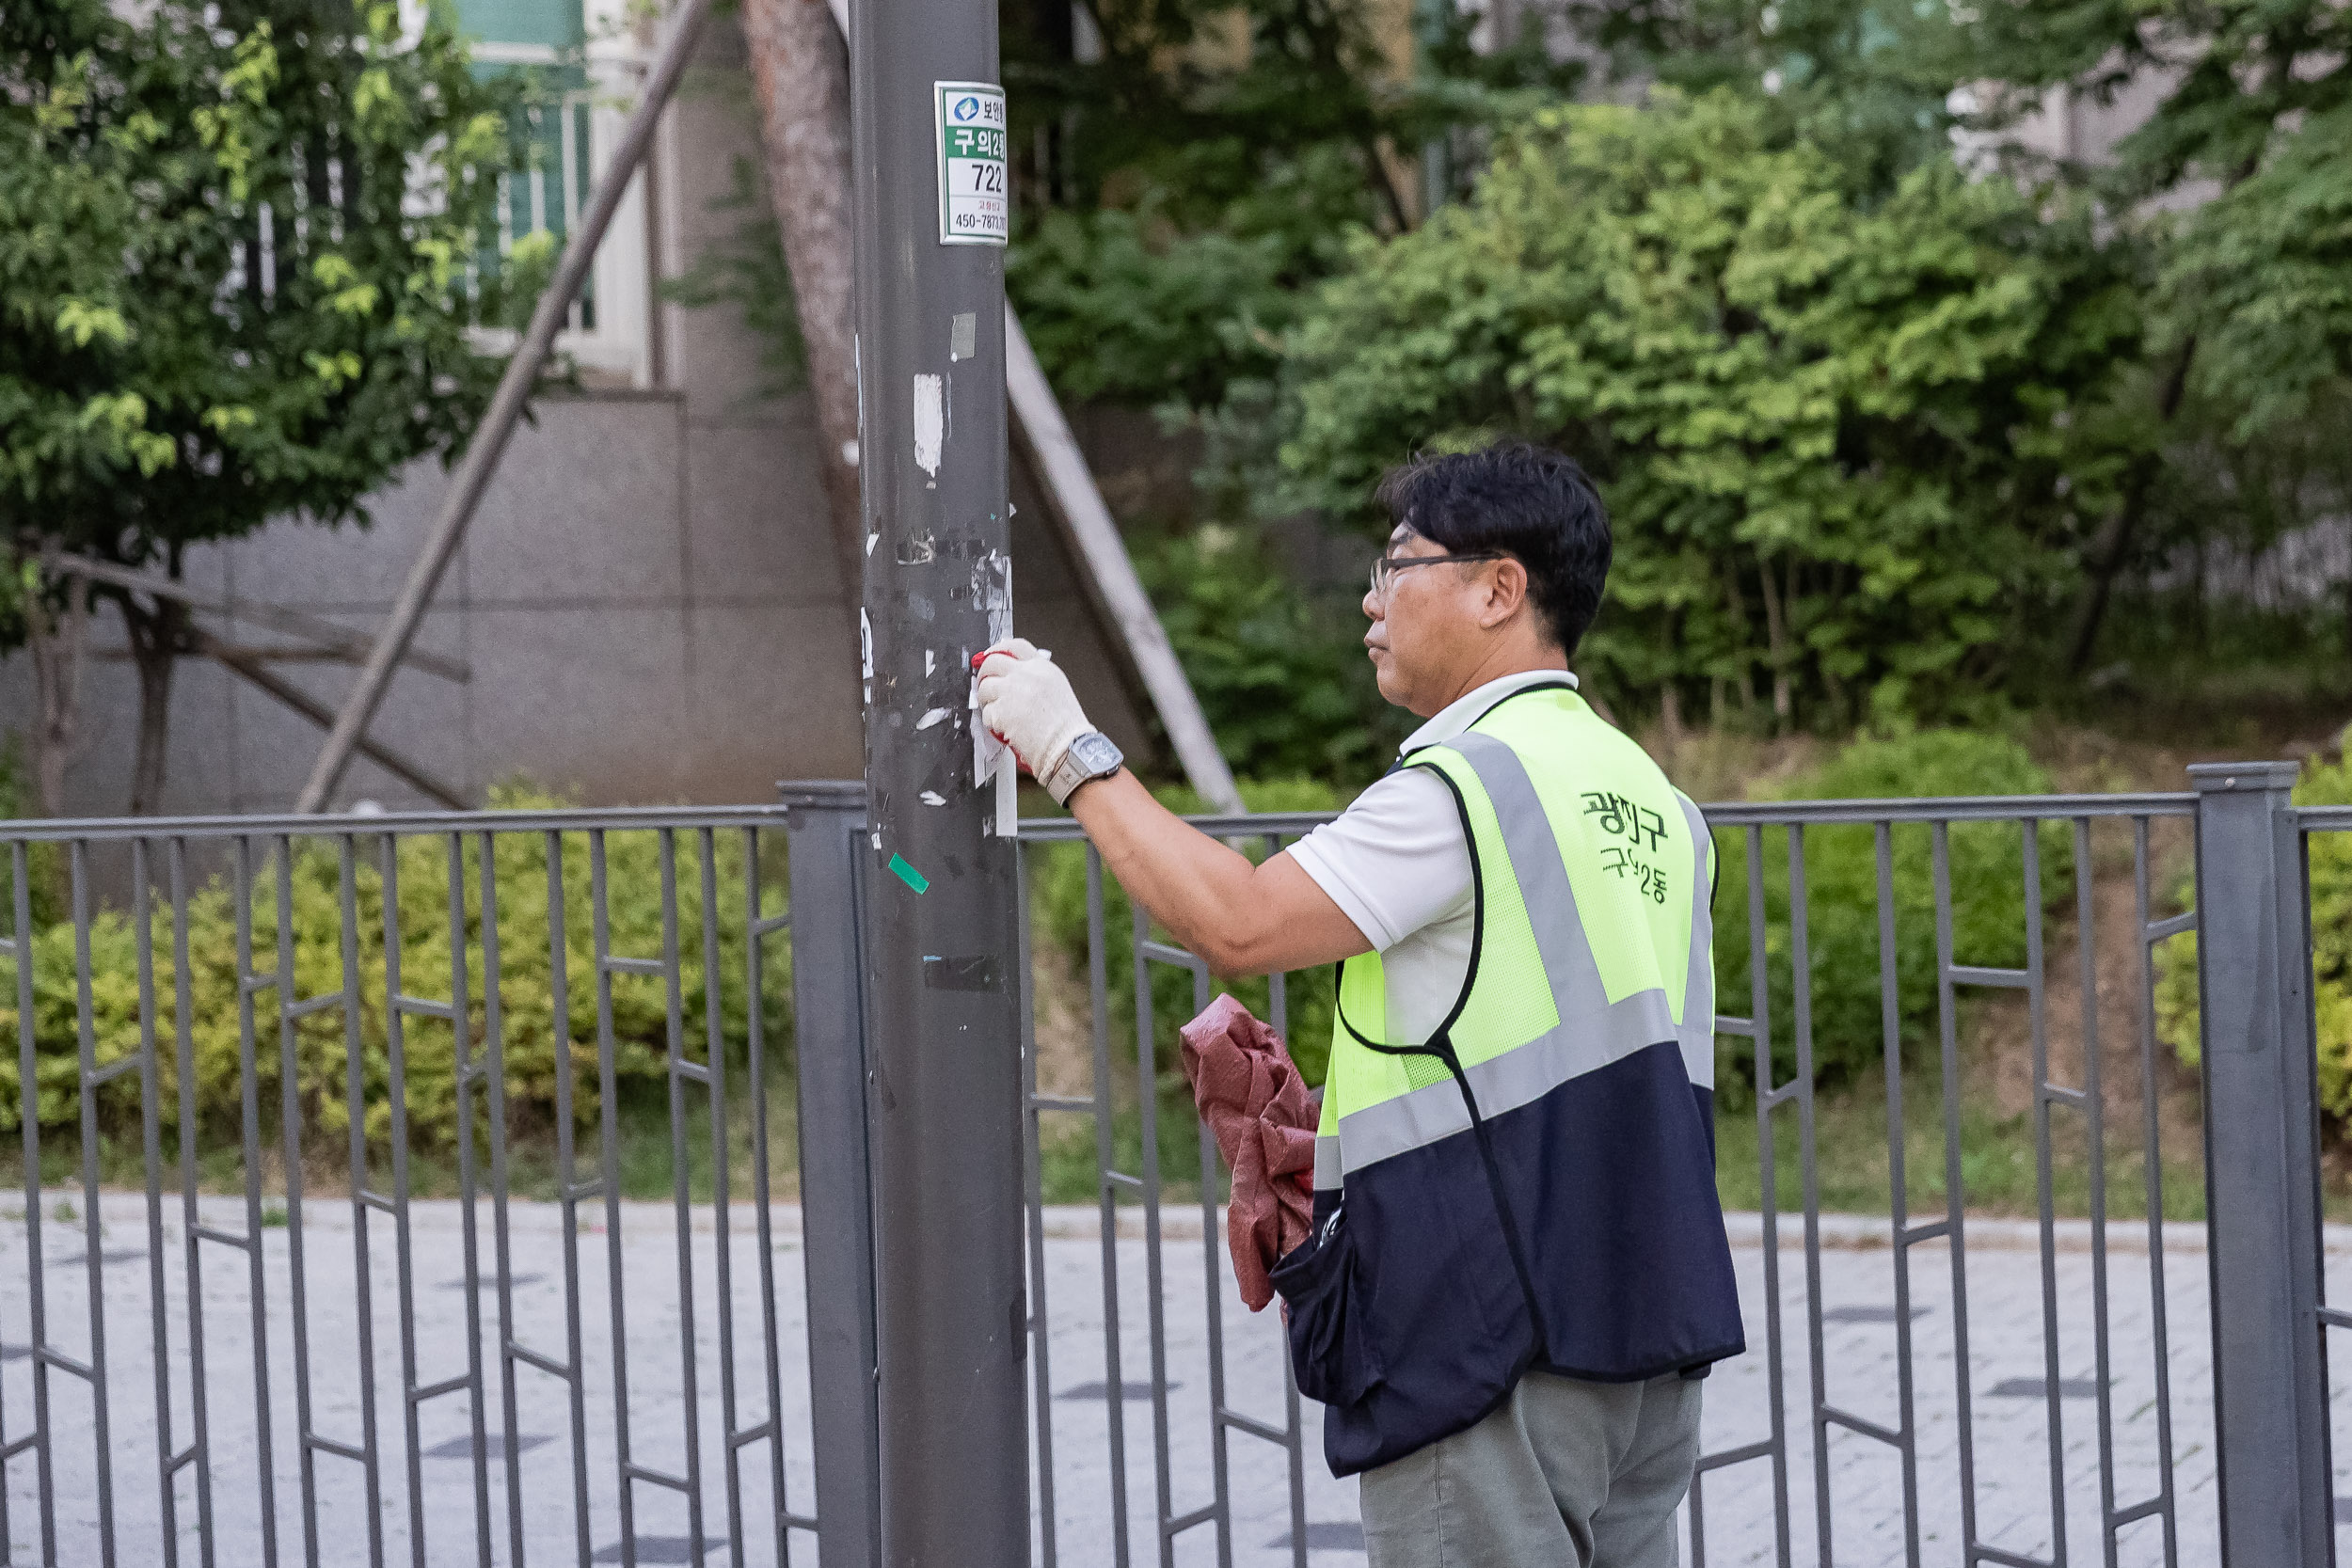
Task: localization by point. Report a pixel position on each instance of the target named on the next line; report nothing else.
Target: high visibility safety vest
(1533, 1185)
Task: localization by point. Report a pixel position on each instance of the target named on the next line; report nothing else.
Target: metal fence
(1817, 1491)
(286, 1089)
(324, 1332)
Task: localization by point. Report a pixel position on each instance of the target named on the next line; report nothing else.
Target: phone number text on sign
(974, 196)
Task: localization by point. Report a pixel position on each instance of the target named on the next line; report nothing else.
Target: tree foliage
(239, 262)
(245, 250)
(1845, 444)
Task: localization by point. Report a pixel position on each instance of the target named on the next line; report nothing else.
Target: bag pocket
(1333, 1358)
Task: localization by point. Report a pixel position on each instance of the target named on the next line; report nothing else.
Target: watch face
(1095, 753)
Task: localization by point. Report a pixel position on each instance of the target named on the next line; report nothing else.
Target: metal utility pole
(931, 211)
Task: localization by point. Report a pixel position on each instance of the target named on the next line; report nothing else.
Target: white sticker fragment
(931, 661)
(872, 539)
(849, 452)
(936, 716)
(932, 798)
(930, 421)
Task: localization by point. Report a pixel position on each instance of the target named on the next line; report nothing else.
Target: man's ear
(1506, 592)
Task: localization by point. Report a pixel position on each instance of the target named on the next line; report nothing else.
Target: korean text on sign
(974, 200)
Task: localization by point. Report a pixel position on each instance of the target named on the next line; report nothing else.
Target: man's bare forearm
(1240, 917)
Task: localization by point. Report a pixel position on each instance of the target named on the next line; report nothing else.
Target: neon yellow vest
(1593, 877)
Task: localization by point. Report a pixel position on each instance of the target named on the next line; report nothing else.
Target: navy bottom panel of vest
(1407, 1317)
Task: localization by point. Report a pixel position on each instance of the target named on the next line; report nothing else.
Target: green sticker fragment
(907, 874)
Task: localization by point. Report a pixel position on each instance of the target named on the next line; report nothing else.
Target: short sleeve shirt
(1397, 866)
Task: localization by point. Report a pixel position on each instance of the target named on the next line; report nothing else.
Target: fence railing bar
(540, 1362)
(1172, 1528)
(758, 927)
(290, 1144)
(492, 1078)
(184, 1026)
(424, 1007)
(1146, 1075)
(751, 1435)
(1836, 1415)
(150, 1168)
(311, 1005)
(1033, 1201)
(1763, 1447)
(1947, 1042)
(694, 1072)
(652, 1477)
(2146, 1509)
(2060, 1094)
(723, 1294)
(1106, 1192)
(1161, 952)
(569, 1190)
(1800, 1024)
(618, 965)
(1898, 1180)
(86, 1041)
(1252, 1425)
(1977, 975)
(456, 1384)
(404, 1258)
(19, 1445)
(225, 1238)
(674, 1038)
(370, 1199)
(608, 1119)
(2159, 930)
(1979, 1552)
(1929, 1231)
(2335, 1316)
(1061, 1102)
(123, 1067)
(175, 1462)
(49, 1355)
(266, 980)
(2151, 1173)
(351, 1451)
(394, 824)
(249, 1144)
(1740, 1028)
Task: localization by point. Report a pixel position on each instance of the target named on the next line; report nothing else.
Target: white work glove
(1026, 701)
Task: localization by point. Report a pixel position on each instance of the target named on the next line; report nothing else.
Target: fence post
(837, 1193)
(2261, 1169)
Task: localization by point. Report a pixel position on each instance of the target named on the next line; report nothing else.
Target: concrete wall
(648, 597)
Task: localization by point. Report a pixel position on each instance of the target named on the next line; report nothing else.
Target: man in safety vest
(1519, 1271)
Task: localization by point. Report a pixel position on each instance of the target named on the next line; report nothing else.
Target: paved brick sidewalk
(1863, 1479)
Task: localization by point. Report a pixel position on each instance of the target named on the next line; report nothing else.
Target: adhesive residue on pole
(975, 198)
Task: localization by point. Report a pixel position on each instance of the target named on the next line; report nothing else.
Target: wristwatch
(1090, 757)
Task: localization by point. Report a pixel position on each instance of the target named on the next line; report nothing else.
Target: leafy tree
(1205, 167)
(241, 260)
(2240, 181)
(1844, 442)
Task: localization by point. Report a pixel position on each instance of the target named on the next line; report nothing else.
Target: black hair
(1528, 502)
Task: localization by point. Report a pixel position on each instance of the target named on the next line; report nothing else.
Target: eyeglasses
(1383, 570)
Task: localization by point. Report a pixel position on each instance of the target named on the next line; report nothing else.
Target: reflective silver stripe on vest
(1698, 991)
(1330, 1172)
(1593, 1031)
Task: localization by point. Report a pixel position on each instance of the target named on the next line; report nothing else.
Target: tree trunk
(801, 69)
(57, 638)
(1776, 640)
(2114, 542)
(157, 637)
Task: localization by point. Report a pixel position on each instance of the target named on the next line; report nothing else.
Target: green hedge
(534, 1044)
(1841, 887)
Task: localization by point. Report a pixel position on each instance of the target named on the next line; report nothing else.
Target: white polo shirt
(1396, 865)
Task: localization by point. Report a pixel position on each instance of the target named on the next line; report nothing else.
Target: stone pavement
(1862, 1478)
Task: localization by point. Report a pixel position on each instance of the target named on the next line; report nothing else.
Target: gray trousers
(1564, 1474)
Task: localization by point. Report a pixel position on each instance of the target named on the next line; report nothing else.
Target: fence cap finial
(2209, 778)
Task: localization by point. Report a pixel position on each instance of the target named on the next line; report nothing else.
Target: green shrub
(534, 1045)
(1841, 887)
(1280, 672)
(2177, 1013)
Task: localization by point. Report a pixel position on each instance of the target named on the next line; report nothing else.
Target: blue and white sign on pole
(975, 196)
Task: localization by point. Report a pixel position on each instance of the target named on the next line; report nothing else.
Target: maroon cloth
(1252, 1098)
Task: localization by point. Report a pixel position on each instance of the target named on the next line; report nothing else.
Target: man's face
(1424, 624)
